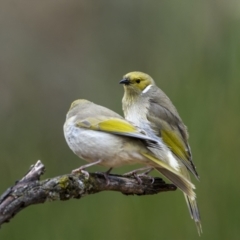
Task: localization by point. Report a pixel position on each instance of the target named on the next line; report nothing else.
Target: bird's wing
(116, 126)
(168, 124)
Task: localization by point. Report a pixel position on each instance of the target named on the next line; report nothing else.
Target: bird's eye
(138, 81)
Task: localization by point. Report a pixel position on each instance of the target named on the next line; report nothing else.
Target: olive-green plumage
(149, 108)
(101, 136)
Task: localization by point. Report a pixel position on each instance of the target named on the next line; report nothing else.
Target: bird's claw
(80, 170)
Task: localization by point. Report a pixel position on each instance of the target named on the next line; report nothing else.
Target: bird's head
(78, 106)
(78, 103)
(136, 82)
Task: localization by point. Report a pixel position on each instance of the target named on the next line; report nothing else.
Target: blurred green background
(53, 52)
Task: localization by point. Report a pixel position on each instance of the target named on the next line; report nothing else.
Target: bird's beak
(125, 81)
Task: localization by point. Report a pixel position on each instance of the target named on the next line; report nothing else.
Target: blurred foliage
(53, 52)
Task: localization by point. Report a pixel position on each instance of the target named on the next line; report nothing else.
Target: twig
(30, 190)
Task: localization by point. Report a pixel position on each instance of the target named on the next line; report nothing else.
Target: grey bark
(30, 190)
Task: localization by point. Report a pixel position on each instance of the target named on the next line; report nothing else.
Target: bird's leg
(80, 169)
(135, 174)
(146, 174)
(145, 169)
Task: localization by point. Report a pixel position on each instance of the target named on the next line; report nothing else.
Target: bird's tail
(194, 212)
(181, 179)
(192, 204)
(176, 177)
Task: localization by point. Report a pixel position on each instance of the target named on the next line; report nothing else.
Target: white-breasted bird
(149, 108)
(101, 136)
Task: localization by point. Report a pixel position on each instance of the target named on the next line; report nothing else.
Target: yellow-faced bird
(149, 108)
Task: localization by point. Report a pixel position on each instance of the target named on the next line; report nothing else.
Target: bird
(149, 108)
(101, 136)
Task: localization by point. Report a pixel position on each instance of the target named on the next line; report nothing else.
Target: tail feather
(182, 180)
(194, 212)
(173, 175)
(189, 195)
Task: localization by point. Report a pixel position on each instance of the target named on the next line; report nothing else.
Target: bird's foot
(137, 176)
(105, 175)
(147, 177)
(146, 170)
(81, 169)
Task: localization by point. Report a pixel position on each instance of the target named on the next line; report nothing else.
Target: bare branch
(30, 190)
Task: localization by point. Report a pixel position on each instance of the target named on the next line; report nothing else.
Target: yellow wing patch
(108, 125)
(175, 144)
(116, 125)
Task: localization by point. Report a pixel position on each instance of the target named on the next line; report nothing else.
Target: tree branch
(30, 190)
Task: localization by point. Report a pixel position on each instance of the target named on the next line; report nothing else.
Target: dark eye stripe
(138, 81)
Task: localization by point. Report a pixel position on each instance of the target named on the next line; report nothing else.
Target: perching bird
(149, 108)
(101, 136)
